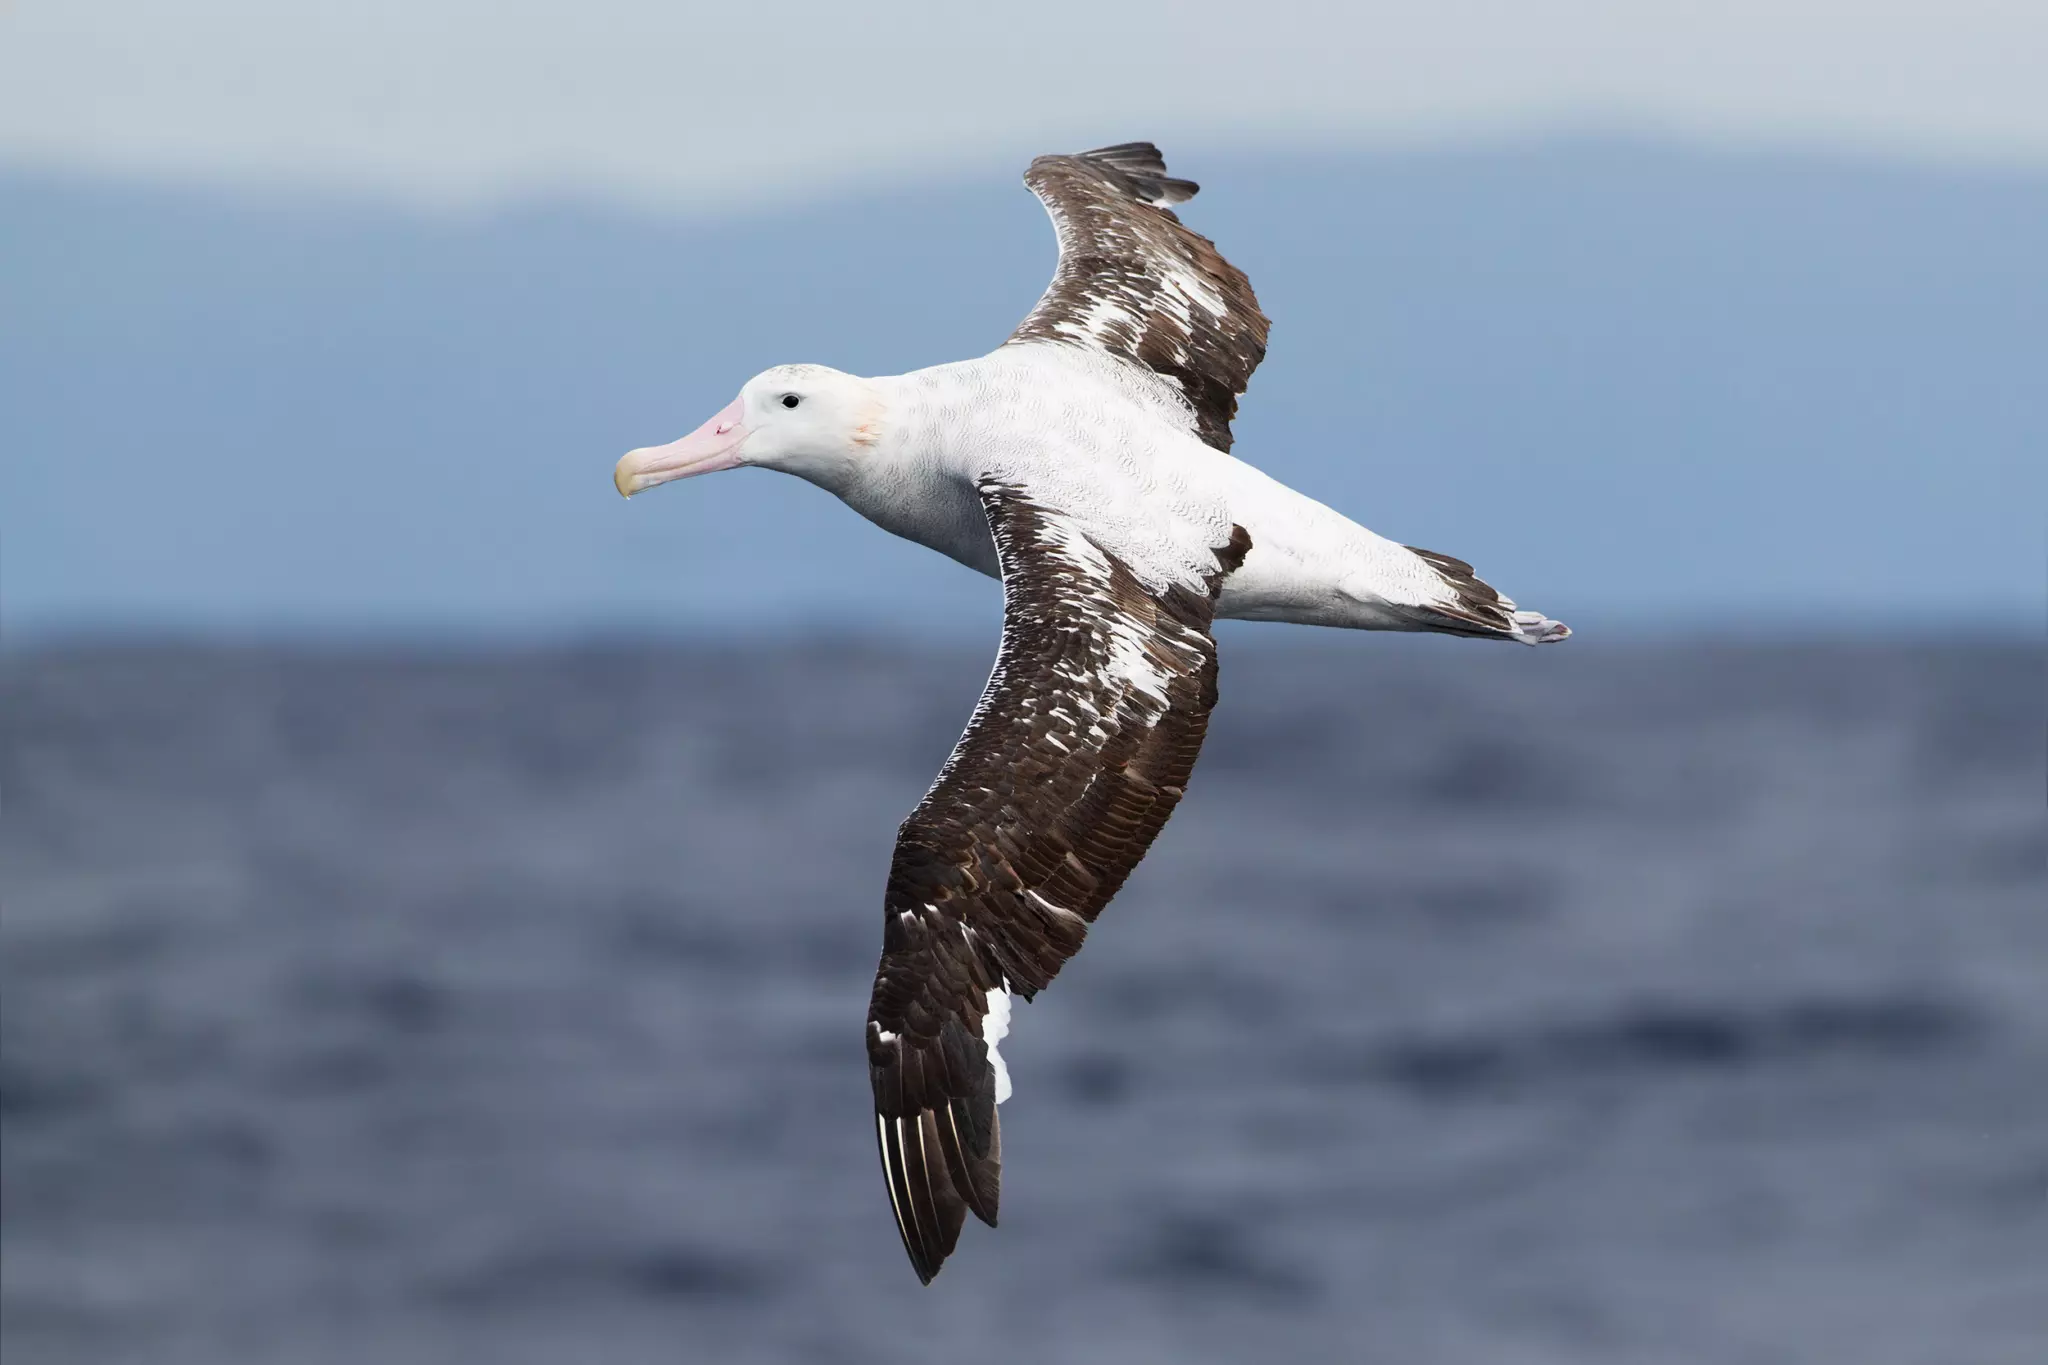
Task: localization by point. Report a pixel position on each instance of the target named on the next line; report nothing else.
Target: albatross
(1086, 463)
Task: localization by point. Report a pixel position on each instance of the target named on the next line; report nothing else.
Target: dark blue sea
(1633, 1004)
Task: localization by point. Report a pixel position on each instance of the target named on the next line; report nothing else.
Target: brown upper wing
(1132, 281)
(1077, 754)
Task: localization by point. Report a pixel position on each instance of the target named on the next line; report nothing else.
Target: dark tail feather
(1478, 610)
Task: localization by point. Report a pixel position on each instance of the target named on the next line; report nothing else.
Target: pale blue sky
(1708, 371)
(713, 106)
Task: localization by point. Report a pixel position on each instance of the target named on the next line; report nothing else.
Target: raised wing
(1135, 283)
(1072, 762)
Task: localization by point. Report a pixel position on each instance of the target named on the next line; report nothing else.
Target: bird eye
(790, 400)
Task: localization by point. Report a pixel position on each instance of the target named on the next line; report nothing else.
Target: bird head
(808, 420)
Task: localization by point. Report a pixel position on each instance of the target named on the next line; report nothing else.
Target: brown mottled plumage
(1069, 768)
(1134, 281)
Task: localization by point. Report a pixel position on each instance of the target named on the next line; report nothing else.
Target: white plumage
(1114, 449)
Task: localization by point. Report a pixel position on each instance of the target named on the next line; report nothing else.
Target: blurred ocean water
(1646, 1004)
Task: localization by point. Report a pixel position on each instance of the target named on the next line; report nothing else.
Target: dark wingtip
(966, 1130)
(1142, 169)
(929, 1209)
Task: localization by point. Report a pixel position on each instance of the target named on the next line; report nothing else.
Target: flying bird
(1086, 463)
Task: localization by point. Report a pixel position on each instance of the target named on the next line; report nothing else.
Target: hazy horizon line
(272, 191)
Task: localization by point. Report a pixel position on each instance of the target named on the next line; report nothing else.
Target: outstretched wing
(1078, 752)
(1136, 284)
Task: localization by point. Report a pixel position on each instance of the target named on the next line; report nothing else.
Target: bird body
(1086, 463)
(1110, 450)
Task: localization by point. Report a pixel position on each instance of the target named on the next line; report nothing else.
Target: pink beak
(711, 447)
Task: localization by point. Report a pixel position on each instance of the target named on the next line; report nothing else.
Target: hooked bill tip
(623, 477)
